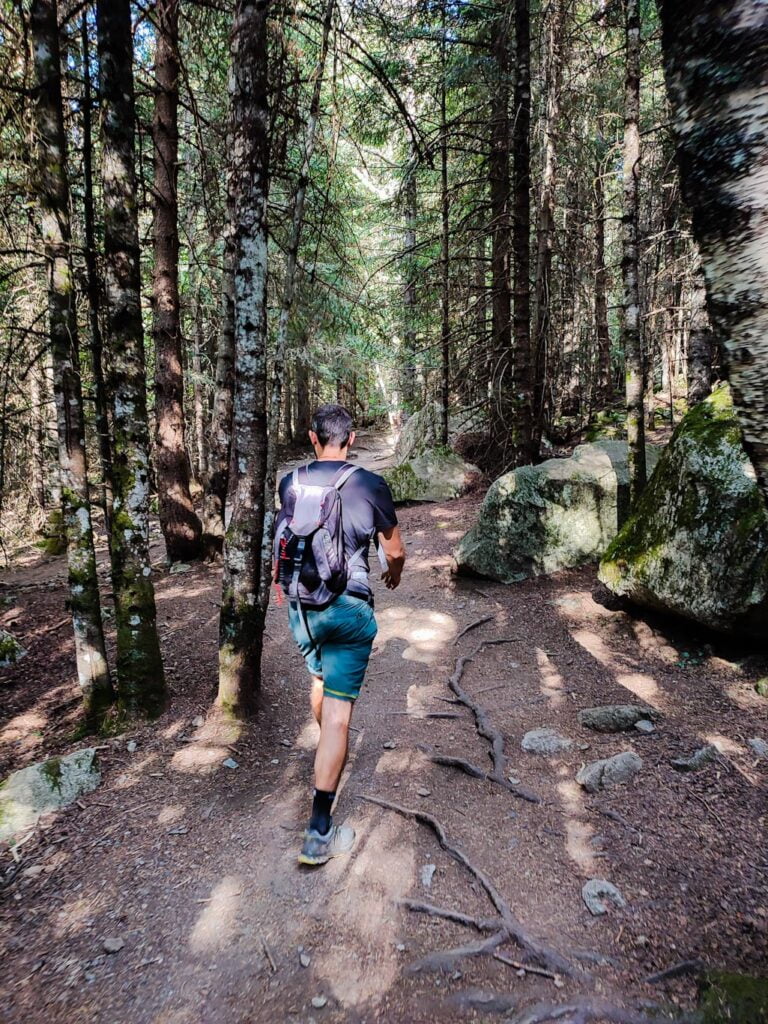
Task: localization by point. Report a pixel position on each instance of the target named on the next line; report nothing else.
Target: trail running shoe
(319, 849)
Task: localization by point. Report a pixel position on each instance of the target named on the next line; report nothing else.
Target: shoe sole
(305, 858)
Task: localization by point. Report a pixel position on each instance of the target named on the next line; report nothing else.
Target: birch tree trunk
(633, 353)
(141, 683)
(445, 281)
(241, 625)
(178, 520)
(53, 189)
(286, 305)
(602, 333)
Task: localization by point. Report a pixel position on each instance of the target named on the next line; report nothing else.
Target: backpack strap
(344, 475)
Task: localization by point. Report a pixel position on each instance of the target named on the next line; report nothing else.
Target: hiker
(330, 512)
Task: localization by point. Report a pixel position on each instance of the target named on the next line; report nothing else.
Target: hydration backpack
(312, 566)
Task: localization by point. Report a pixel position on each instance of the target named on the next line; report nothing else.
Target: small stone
(113, 944)
(230, 762)
(642, 940)
(520, 972)
(285, 743)
(427, 874)
(558, 981)
(645, 726)
(33, 872)
(699, 759)
(423, 791)
(514, 780)
(198, 722)
(759, 746)
(615, 717)
(609, 771)
(400, 947)
(595, 891)
(305, 959)
(178, 567)
(131, 746)
(319, 1002)
(389, 745)
(545, 741)
(275, 760)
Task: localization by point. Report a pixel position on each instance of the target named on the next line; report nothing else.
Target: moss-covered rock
(697, 544)
(10, 649)
(556, 515)
(422, 432)
(45, 786)
(436, 475)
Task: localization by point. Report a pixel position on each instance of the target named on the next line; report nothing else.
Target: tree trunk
(197, 390)
(303, 404)
(700, 343)
(93, 289)
(542, 320)
(289, 289)
(445, 282)
(181, 527)
(409, 398)
(602, 334)
(499, 180)
(90, 653)
(525, 445)
(220, 434)
(37, 453)
(141, 683)
(633, 353)
(242, 616)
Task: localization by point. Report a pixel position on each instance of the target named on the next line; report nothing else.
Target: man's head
(331, 430)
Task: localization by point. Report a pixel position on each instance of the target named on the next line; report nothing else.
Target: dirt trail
(193, 864)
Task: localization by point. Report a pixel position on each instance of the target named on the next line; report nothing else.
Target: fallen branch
(525, 967)
(512, 928)
(677, 971)
(473, 625)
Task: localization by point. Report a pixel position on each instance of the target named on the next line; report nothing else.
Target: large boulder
(423, 430)
(45, 786)
(437, 475)
(559, 514)
(10, 649)
(697, 544)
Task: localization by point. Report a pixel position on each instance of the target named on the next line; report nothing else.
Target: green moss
(733, 998)
(51, 769)
(54, 541)
(10, 648)
(761, 687)
(403, 482)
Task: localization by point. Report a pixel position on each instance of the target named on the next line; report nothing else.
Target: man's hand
(394, 549)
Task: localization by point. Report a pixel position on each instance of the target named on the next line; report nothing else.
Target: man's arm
(394, 550)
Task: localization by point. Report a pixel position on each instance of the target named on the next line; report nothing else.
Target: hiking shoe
(318, 849)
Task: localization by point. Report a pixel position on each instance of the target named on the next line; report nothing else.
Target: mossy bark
(53, 191)
(241, 625)
(714, 61)
(141, 684)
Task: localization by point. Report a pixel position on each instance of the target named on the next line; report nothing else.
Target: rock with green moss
(559, 514)
(45, 786)
(10, 649)
(697, 545)
(436, 475)
(423, 430)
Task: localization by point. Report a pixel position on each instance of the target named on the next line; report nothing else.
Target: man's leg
(316, 698)
(331, 753)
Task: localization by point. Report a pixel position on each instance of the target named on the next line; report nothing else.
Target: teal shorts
(339, 643)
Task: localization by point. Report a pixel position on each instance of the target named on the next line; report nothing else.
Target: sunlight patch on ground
(22, 730)
(173, 729)
(208, 748)
(643, 686)
(363, 908)
(216, 923)
(75, 915)
(425, 632)
(397, 762)
(309, 735)
(578, 831)
(551, 681)
(420, 699)
(132, 777)
(435, 562)
(724, 743)
(171, 813)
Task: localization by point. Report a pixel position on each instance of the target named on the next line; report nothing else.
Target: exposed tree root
(584, 1011)
(477, 773)
(511, 928)
(473, 625)
(480, 924)
(677, 971)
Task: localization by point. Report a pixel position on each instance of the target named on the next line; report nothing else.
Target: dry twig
(473, 625)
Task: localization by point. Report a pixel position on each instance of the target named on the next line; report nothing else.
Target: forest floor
(191, 865)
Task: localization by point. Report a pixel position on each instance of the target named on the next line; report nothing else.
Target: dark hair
(332, 424)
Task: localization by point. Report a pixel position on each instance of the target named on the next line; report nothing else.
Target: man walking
(330, 512)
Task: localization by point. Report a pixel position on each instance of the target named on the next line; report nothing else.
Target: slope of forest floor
(191, 865)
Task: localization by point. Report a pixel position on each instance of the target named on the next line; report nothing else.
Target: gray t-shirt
(366, 502)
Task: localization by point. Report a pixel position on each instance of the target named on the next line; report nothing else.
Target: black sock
(321, 811)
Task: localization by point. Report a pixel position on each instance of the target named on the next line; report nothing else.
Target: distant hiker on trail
(330, 512)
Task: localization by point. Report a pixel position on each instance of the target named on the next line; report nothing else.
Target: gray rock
(699, 759)
(424, 429)
(198, 722)
(319, 1002)
(131, 746)
(609, 771)
(759, 746)
(645, 726)
(595, 891)
(230, 762)
(305, 959)
(614, 717)
(427, 874)
(545, 741)
(178, 567)
(702, 500)
(10, 649)
(45, 786)
(434, 475)
(556, 515)
(113, 944)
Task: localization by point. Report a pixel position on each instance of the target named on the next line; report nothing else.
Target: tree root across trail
(484, 726)
(505, 928)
